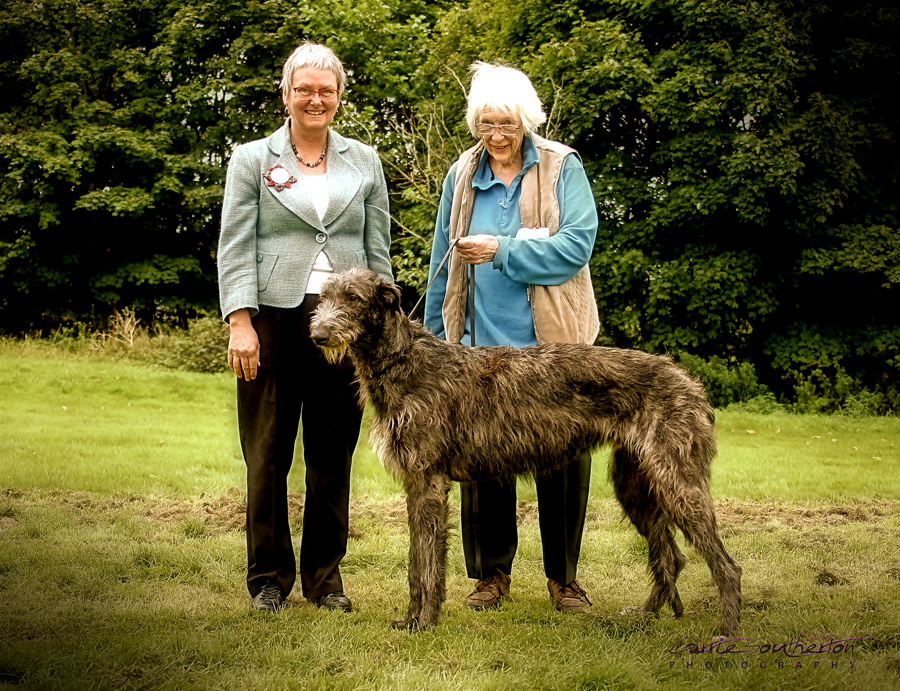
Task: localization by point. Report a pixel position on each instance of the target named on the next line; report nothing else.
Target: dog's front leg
(426, 505)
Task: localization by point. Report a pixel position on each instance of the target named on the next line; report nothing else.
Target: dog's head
(351, 303)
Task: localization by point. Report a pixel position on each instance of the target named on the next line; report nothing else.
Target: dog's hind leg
(427, 509)
(690, 505)
(666, 561)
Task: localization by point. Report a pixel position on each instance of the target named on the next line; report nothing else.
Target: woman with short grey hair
(498, 88)
(519, 207)
(299, 205)
(312, 55)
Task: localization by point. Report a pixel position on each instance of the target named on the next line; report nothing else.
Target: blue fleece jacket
(502, 312)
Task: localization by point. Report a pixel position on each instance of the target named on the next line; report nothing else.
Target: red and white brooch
(279, 178)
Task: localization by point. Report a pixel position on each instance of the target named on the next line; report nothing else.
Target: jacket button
(321, 238)
(258, 258)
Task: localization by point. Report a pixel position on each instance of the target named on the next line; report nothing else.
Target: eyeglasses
(506, 130)
(325, 95)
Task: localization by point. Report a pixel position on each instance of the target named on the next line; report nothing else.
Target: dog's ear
(390, 293)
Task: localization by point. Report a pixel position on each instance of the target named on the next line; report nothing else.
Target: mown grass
(122, 558)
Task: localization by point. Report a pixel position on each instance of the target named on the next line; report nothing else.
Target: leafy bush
(867, 403)
(765, 404)
(829, 371)
(725, 383)
(202, 347)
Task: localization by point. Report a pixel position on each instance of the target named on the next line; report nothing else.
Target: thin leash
(476, 518)
(471, 290)
(440, 266)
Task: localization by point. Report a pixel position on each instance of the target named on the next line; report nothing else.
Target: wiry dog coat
(447, 412)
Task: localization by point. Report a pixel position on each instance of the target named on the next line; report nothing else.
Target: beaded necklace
(309, 165)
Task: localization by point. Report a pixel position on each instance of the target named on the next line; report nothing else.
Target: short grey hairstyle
(315, 55)
(501, 88)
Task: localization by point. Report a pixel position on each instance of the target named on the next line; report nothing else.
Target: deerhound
(444, 412)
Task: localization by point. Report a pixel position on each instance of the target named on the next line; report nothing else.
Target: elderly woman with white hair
(519, 207)
(299, 205)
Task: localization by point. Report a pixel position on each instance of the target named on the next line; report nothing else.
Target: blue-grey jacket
(270, 238)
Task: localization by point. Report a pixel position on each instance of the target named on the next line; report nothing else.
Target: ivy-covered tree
(837, 338)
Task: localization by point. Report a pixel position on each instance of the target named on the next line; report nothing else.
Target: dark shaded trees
(744, 157)
(116, 128)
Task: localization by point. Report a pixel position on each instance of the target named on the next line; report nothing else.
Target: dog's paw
(638, 618)
(638, 611)
(407, 624)
(728, 630)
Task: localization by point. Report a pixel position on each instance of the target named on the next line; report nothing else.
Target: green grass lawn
(122, 558)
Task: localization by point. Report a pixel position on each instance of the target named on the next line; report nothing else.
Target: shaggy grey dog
(447, 412)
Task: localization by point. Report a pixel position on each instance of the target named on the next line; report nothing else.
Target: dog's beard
(334, 354)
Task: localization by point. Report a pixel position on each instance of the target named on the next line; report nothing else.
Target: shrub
(828, 371)
(765, 403)
(202, 347)
(725, 383)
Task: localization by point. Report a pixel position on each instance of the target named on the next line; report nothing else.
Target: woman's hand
(243, 345)
(477, 249)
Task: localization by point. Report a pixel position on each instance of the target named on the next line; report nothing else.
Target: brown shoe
(488, 592)
(568, 598)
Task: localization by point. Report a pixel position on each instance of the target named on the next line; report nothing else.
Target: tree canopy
(744, 157)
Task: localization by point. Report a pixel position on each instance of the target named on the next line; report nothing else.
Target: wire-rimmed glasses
(325, 95)
(507, 129)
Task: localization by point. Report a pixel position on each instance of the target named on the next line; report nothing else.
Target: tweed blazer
(270, 238)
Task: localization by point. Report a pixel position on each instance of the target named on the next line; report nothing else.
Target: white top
(317, 190)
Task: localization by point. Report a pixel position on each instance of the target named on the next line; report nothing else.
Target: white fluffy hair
(499, 88)
(315, 55)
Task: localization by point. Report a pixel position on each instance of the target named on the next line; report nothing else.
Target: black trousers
(488, 511)
(295, 384)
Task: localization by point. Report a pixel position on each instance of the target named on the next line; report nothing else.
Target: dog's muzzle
(332, 348)
(320, 336)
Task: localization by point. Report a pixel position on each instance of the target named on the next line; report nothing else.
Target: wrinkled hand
(243, 346)
(477, 249)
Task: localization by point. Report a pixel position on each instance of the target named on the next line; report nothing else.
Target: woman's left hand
(477, 249)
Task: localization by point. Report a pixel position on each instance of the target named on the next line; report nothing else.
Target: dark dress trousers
(489, 532)
(295, 384)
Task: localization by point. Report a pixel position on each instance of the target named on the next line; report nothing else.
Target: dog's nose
(319, 336)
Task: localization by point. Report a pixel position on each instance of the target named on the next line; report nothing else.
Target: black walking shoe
(333, 601)
(269, 599)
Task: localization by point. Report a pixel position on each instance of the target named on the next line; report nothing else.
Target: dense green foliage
(744, 157)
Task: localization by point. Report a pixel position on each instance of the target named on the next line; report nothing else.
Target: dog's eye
(352, 298)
